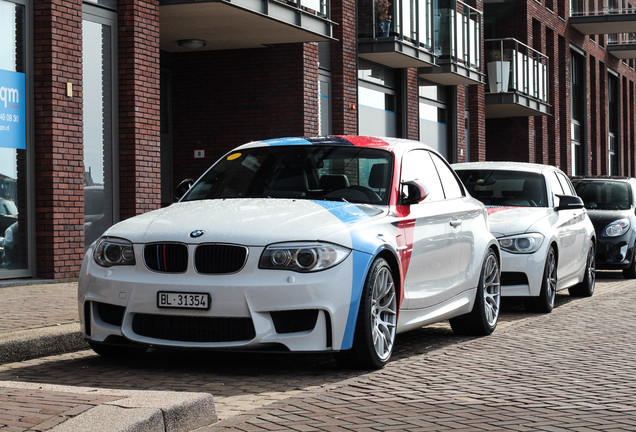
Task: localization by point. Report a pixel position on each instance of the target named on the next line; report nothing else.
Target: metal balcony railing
(601, 7)
(512, 66)
(616, 39)
(406, 20)
(458, 33)
(319, 8)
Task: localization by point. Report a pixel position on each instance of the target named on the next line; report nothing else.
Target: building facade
(106, 105)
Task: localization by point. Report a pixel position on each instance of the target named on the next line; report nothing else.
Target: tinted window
(604, 195)
(505, 188)
(338, 173)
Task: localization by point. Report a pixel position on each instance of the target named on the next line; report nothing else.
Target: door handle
(455, 222)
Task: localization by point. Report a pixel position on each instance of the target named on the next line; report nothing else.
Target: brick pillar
(344, 68)
(412, 105)
(139, 132)
(477, 122)
(59, 161)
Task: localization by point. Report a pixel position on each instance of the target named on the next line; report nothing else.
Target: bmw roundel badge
(197, 233)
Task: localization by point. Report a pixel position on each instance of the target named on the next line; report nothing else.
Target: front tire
(545, 302)
(482, 320)
(377, 317)
(586, 287)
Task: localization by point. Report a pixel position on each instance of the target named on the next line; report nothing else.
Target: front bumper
(522, 274)
(613, 253)
(250, 309)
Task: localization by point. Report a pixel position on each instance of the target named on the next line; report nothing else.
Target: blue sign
(12, 110)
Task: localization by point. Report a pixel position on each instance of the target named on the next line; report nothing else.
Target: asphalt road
(571, 370)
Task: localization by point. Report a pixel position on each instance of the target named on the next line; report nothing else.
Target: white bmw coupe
(326, 244)
(546, 237)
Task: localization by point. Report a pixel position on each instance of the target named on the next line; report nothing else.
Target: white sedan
(546, 237)
(327, 244)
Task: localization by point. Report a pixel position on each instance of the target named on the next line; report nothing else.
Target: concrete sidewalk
(39, 319)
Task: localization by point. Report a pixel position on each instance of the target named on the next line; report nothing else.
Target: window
(452, 189)
(578, 104)
(555, 186)
(100, 119)
(418, 165)
(433, 114)
(377, 100)
(15, 136)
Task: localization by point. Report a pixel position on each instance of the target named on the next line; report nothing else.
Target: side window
(452, 188)
(418, 165)
(566, 184)
(555, 187)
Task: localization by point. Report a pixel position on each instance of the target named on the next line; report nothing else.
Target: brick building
(105, 105)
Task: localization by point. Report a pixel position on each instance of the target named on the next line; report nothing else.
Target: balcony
(622, 45)
(237, 24)
(396, 34)
(457, 45)
(517, 80)
(592, 17)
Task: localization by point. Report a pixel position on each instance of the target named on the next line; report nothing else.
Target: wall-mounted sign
(199, 154)
(12, 110)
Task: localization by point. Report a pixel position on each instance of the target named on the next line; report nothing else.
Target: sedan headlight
(114, 251)
(617, 228)
(523, 243)
(302, 257)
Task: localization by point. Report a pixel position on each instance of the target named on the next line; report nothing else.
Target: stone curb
(136, 411)
(41, 342)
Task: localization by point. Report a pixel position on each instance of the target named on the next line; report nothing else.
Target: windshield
(604, 195)
(505, 188)
(337, 173)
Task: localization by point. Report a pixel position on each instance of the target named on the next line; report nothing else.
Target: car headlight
(617, 228)
(114, 251)
(524, 243)
(302, 257)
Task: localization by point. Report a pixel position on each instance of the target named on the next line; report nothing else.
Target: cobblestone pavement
(571, 370)
(43, 304)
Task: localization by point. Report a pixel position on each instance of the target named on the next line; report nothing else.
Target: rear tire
(545, 302)
(586, 287)
(377, 317)
(482, 320)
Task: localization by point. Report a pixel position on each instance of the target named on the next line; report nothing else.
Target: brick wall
(344, 68)
(534, 24)
(222, 99)
(139, 132)
(59, 163)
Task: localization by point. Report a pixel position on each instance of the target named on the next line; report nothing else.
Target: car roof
(511, 166)
(394, 145)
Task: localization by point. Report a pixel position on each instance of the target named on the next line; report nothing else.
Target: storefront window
(99, 121)
(14, 134)
(433, 117)
(377, 100)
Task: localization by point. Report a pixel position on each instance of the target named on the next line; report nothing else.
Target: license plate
(183, 300)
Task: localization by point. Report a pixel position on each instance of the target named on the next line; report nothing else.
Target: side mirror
(182, 188)
(412, 192)
(569, 202)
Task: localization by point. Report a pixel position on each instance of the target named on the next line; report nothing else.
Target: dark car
(611, 205)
